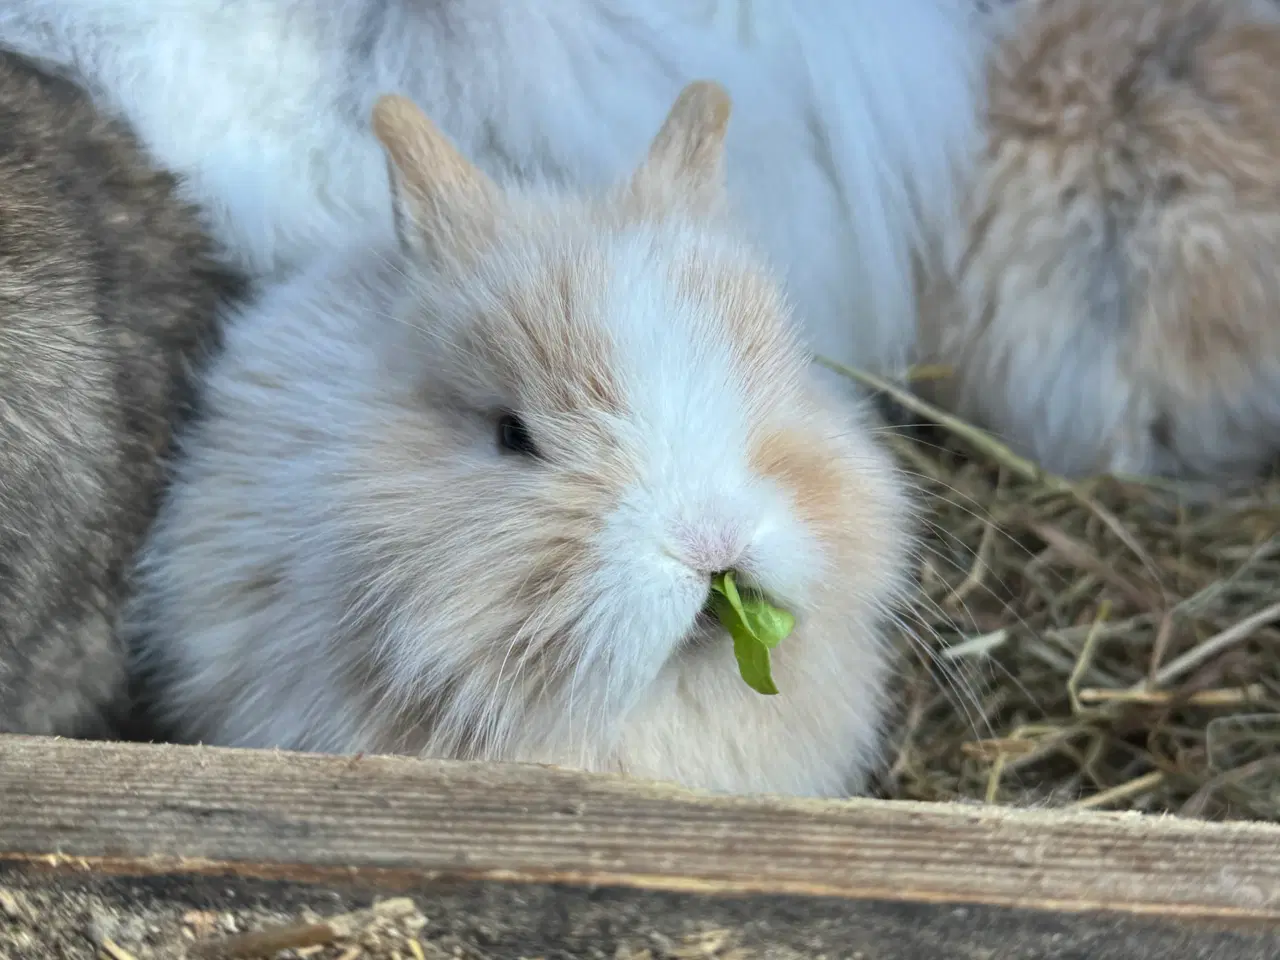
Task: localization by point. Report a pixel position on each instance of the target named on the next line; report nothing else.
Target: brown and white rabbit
(107, 292)
(1111, 300)
(462, 494)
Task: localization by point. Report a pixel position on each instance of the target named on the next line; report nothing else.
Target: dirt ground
(194, 918)
(67, 924)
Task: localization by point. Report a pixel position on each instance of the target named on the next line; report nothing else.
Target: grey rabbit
(109, 292)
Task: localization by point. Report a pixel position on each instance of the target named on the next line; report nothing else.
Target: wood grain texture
(134, 809)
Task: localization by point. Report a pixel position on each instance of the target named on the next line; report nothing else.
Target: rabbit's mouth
(705, 631)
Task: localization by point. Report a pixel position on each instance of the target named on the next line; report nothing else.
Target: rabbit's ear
(444, 204)
(686, 159)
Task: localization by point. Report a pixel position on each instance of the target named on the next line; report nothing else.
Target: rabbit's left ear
(686, 158)
(444, 204)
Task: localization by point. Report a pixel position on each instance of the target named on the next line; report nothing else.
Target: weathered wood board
(526, 861)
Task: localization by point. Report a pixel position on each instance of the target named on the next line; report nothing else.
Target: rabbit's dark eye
(513, 436)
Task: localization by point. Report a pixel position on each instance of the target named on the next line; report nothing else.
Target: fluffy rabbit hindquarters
(108, 292)
(1112, 302)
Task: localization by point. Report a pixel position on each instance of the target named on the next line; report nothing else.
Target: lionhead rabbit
(851, 114)
(1112, 300)
(461, 494)
(106, 293)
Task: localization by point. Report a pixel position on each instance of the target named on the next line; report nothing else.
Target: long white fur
(339, 564)
(850, 115)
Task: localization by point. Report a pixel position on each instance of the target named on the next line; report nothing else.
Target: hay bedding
(1111, 644)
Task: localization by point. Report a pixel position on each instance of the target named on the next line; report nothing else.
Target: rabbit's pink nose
(710, 551)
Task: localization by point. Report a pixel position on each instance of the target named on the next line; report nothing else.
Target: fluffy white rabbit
(461, 492)
(851, 114)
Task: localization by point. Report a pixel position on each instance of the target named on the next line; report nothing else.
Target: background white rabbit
(850, 114)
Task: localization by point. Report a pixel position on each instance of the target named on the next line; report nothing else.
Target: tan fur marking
(802, 464)
(575, 345)
(748, 306)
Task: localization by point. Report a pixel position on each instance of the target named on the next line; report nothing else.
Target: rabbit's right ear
(685, 163)
(444, 204)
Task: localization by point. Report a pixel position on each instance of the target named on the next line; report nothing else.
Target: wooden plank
(85, 813)
(266, 813)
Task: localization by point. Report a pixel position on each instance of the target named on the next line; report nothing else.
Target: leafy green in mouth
(755, 625)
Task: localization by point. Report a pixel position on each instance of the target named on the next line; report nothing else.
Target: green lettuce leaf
(755, 625)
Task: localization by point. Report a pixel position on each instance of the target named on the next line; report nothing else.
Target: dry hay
(1110, 643)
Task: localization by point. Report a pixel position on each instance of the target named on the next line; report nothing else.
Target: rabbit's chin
(702, 635)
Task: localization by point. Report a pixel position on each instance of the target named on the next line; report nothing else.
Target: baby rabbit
(1111, 300)
(460, 493)
(107, 291)
(852, 113)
